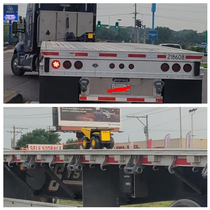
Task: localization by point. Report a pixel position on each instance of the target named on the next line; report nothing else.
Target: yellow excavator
(97, 138)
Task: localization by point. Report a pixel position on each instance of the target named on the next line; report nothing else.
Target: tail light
(176, 67)
(164, 67)
(111, 65)
(67, 64)
(78, 65)
(131, 66)
(187, 67)
(56, 64)
(121, 66)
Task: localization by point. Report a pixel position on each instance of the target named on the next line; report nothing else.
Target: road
(28, 84)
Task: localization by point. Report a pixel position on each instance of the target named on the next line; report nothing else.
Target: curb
(12, 96)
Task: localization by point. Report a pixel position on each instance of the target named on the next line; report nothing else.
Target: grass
(204, 65)
(155, 204)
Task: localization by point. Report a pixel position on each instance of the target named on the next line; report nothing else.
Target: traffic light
(116, 25)
(99, 24)
(138, 23)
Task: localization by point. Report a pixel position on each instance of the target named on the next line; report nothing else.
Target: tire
(111, 144)
(95, 142)
(196, 201)
(85, 143)
(16, 71)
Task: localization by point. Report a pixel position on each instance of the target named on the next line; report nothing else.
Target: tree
(38, 136)
(72, 146)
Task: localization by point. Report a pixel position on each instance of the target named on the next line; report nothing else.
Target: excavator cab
(97, 138)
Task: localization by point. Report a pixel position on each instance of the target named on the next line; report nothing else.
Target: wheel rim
(84, 143)
(15, 68)
(93, 143)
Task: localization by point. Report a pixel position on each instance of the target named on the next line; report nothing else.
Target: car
(178, 46)
(102, 115)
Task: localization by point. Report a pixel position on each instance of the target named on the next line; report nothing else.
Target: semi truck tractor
(107, 177)
(59, 43)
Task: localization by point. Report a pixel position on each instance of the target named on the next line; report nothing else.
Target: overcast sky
(176, 16)
(162, 121)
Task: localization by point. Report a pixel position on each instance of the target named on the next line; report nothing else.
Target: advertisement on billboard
(89, 117)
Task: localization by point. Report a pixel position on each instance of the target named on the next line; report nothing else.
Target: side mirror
(14, 27)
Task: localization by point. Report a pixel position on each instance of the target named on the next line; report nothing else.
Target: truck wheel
(111, 144)
(191, 202)
(15, 70)
(85, 143)
(95, 142)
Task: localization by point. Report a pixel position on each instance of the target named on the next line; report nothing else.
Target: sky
(176, 16)
(161, 121)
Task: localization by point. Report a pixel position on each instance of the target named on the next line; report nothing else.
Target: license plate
(121, 85)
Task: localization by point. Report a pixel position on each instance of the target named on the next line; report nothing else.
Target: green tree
(38, 136)
(164, 35)
(72, 146)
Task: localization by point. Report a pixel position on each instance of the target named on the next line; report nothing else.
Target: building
(174, 143)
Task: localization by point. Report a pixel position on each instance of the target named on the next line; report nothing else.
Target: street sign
(153, 34)
(203, 44)
(10, 12)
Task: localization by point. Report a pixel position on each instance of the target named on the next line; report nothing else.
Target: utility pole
(15, 133)
(192, 112)
(180, 117)
(144, 41)
(146, 127)
(135, 34)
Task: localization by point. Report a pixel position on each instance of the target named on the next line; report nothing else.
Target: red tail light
(56, 64)
(67, 64)
(187, 67)
(111, 65)
(78, 65)
(164, 67)
(121, 66)
(176, 67)
(131, 66)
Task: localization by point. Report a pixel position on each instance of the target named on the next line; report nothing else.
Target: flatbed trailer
(108, 178)
(118, 72)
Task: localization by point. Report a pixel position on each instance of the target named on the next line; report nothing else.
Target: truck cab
(50, 22)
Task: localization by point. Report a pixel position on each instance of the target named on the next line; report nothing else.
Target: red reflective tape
(137, 55)
(145, 161)
(38, 160)
(193, 57)
(57, 159)
(108, 54)
(15, 159)
(50, 53)
(136, 99)
(161, 56)
(106, 98)
(159, 100)
(81, 54)
(83, 98)
(181, 162)
(111, 160)
(84, 160)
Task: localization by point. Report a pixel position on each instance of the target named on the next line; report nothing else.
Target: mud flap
(182, 91)
(59, 89)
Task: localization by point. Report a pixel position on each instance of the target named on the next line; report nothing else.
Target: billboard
(10, 12)
(89, 117)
